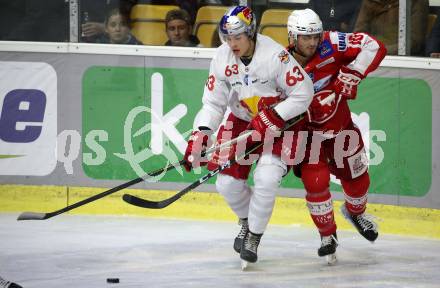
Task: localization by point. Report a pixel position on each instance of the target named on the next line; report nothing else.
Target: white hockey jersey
(273, 72)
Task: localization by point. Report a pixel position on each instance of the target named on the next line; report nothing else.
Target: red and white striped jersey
(357, 51)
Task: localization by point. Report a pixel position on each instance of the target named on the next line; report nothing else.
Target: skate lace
(327, 240)
(244, 228)
(366, 221)
(3, 282)
(252, 243)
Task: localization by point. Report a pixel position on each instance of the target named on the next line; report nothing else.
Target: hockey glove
(346, 83)
(197, 144)
(267, 121)
(221, 156)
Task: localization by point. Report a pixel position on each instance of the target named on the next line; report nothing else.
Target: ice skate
(7, 284)
(363, 223)
(248, 253)
(243, 230)
(328, 248)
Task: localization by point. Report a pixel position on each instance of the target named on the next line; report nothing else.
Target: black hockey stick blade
(44, 216)
(144, 203)
(33, 216)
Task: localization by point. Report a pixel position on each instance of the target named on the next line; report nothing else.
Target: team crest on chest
(284, 57)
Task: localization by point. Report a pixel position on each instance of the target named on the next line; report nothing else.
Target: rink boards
(90, 105)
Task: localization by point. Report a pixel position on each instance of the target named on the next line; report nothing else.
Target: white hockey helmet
(303, 22)
(237, 20)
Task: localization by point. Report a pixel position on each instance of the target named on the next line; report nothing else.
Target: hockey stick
(144, 203)
(44, 216)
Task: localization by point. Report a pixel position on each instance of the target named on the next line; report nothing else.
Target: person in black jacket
(336, 15)
(178, 27)
(433, 41)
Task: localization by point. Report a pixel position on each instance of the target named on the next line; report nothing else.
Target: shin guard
(355, 192)
(316, 179)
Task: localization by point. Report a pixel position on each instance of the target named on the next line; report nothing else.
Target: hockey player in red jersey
(336, 62)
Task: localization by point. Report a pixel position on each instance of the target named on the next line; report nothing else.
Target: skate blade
(244, 264)
(331, 259)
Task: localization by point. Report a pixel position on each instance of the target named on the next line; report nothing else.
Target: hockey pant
(255, 204)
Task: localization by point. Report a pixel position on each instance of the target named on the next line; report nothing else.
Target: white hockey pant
(256, 206)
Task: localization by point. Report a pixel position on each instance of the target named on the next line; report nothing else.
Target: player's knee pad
(268, 174)
(226, 185)
(236, 193)
(316, 178)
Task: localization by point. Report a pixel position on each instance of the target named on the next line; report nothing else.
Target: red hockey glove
(221, 156)
(347, 82)
(197, 143)
(267, 121)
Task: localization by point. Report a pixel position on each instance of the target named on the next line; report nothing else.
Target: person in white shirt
(264, 87)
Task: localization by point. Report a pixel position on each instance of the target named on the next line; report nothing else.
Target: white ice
(83, 251)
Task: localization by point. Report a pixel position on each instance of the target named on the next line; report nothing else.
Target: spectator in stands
(380, 18)
(93, 15)
(433, 42)
(117, 29)
(178, 28)
(336, 15)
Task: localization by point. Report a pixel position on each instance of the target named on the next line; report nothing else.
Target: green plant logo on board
(137, 120)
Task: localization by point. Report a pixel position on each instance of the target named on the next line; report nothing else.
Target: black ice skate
(243, 230)
(363, 223)
(248, 253)
(7, 284)
(328, 248)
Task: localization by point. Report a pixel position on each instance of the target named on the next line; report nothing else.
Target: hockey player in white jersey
(264, 87)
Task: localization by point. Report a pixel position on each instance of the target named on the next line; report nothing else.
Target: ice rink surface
(83, 251)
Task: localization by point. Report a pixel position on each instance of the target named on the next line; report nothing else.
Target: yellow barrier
(421, 222)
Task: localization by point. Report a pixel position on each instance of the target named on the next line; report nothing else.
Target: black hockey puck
(112, 280)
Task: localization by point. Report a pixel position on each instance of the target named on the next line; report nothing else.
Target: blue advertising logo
(22, 115)
(28, 118)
